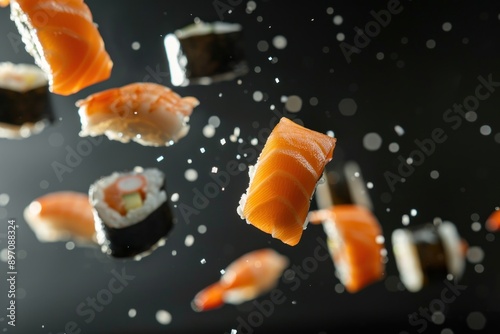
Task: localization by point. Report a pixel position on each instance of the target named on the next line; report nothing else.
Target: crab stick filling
(126, 193)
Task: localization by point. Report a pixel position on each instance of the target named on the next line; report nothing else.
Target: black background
(412, 86)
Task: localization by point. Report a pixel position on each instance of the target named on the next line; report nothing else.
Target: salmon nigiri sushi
(354, 234)
(246, 278)
(62, 216)
(355, 242)
(64, 41)
(283, 180)
(147, 113)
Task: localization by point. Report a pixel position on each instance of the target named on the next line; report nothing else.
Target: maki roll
(344, 184)
(131, 212)
(427, 253)
(24, 100)
(203, 53)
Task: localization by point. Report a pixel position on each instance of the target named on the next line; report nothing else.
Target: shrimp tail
(210, 298)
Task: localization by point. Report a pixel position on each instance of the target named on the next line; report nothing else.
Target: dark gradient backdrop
(408, 74)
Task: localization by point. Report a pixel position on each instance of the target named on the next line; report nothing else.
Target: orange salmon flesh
(286, 174)
(68, 45)
(354, 244)
(113, 194)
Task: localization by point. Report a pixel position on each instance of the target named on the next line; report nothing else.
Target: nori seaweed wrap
(427, 253)
(132, 213)
(25, 107)
(203, 53)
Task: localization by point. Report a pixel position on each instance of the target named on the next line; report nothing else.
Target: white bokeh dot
(372, 141)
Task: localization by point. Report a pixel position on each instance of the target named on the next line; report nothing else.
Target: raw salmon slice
(283, 180)
(355, 242)
(64, 41)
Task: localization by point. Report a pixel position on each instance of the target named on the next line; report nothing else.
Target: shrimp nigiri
(147, 113)
(283, 180)
(62, 216)
(355, 242)
(64, 41)
(251, 275)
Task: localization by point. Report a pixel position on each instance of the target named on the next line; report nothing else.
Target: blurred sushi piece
(203, 53)
(248, 277)
(25, 107)
(64, 41)
(493, 221)
(427, 253)
(354, 235)
(355, 242)
(284, 179)
(147, 113)
(343, 184)
(131, 212)
(62, 216)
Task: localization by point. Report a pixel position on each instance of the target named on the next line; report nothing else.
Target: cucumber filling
(132, 201)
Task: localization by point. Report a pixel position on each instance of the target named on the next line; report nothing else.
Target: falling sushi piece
(343, 184)
(246, 278)
(25, 107)
(62, 216)
(283, 180)
(131, 211)
(203, 53)
(64, 41)
(427, 253)
(493, 221)
(354, 234)
(355, 242)
(147, 113)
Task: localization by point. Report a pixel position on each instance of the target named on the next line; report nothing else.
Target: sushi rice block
(62, 216)
(427, 253)
(64, 41)
(283, 180)
(355, 242)
(25, 108)
(131, 211)
(147, 113)
(246, 278)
